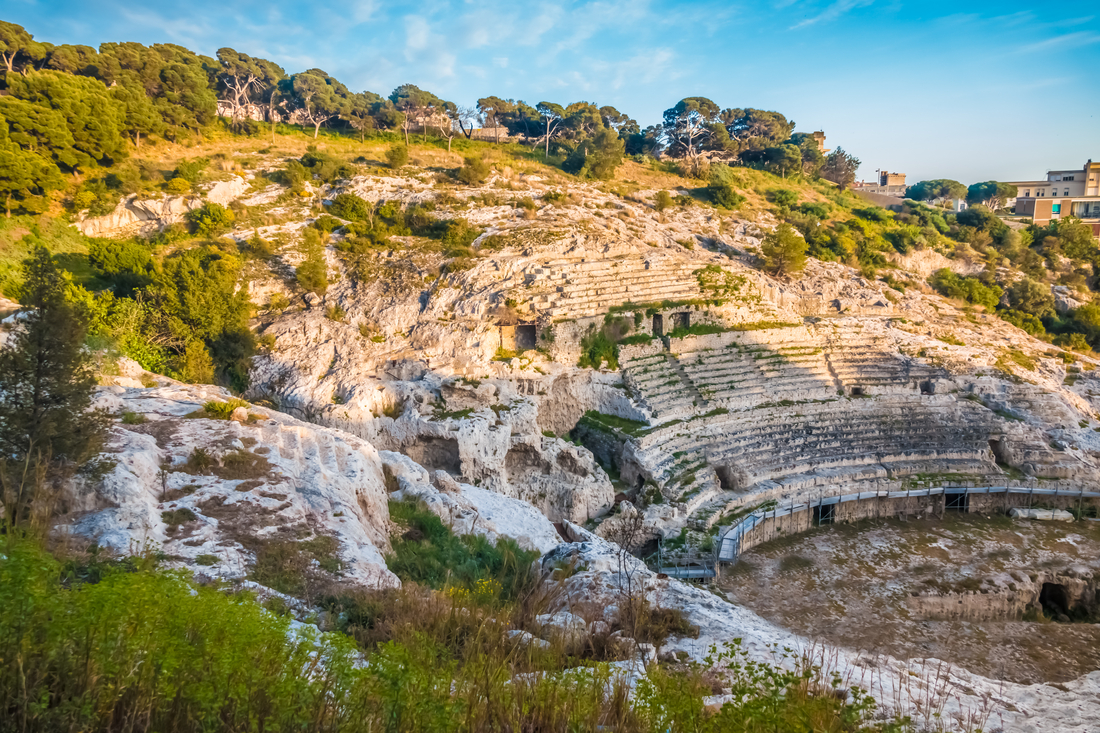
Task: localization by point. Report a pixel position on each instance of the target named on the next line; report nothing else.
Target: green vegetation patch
(428, 553)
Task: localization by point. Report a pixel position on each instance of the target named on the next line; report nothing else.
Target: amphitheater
(774, 410)
(717, 406)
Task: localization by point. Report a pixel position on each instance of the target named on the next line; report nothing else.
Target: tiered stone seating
(871, 364)
(579, 288)
(743, 376)
(655, 379)
(799, 444)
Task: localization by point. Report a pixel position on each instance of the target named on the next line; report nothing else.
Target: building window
(1067, 178)
(1065, 192)
(1027, 194)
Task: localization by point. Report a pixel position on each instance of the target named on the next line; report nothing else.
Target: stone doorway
(957, 502)
(824, 514)
(526, 337)
(658, 325)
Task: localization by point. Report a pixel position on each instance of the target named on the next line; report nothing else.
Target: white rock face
(466, 509)
(269, 478)
(225, 192)
(133, 215)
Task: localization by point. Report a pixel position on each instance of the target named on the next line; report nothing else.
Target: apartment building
(1064, 193)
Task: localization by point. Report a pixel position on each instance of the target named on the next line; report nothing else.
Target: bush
(217, 410)
(190, 170)
(662, 200)
(601, 345)
(818, 211)
(428, 553)
(111, 641)
(195, 365)
(397, 156)
(1025, 321)
(177, 186)
(325, 166)
(459, 237)
(474, 172)
(349, 206)
(1030, 296)
(721, 189)
(327, 224)
(782, 197)
(210, 220)
(970, 289)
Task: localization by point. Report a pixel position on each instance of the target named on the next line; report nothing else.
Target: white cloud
(501, 62)
(832, 12)
(416, 33)
(1064, 42)
(363, 10)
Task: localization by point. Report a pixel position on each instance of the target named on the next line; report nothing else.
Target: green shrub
(176, 517)
(177, 186)
(459, 236)
(782, 197)
(327, 224)
(210, 220)
(349, 206)
(428, 553)
(133, 418)
(190, 170)
(217, 410)
(970, 289)
(662, 200)
(474, 172)
(721, 188)
(108, 641)
(397, 156)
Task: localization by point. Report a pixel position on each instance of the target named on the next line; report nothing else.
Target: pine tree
(46, 382)
(783, 251)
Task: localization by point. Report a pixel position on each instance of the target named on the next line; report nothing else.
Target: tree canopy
(990, 193)
(939, 188)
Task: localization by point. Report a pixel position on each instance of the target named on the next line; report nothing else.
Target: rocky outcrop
(467, 509)
(139, 216)
(211, 493)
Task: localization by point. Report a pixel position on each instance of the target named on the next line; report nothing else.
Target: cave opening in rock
(526, 338)
(681, 320)
(658, 325)
(1054, 600)
(928, 387)
(436, 454)
(523, 458)
(857, 391)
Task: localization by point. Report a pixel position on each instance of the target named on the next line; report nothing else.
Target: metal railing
(731, 544)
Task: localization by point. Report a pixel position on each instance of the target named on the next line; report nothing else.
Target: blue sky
(972, 91)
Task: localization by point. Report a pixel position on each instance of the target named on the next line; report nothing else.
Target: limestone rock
(562, 627)
(225, 192)
(133, 215)
(1057, 515)
(279, 477)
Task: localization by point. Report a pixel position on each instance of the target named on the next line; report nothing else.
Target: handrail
(730, 542)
